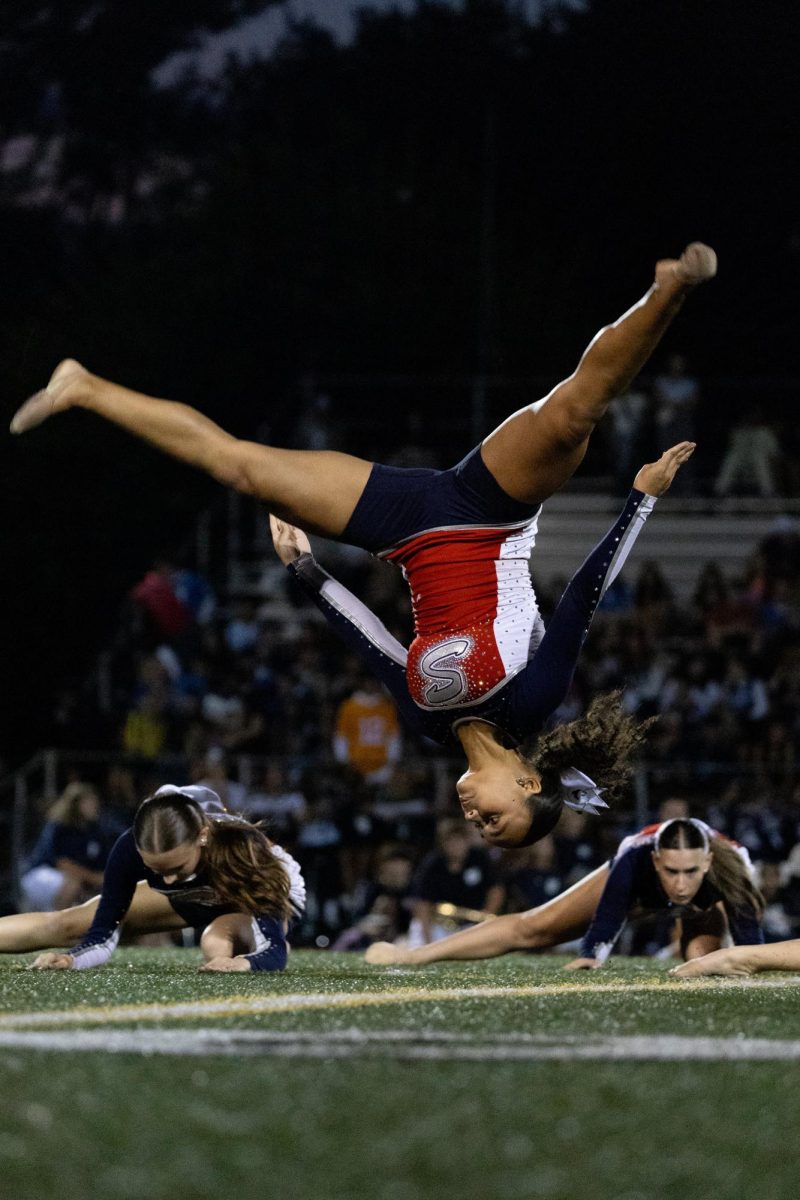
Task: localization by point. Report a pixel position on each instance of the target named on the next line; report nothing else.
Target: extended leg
(149, 912)
(538, 448)
(315, 489)
(559, 920)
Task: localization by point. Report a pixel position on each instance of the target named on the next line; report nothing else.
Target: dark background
(455, 191)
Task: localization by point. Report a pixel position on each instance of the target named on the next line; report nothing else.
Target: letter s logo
(446, 679)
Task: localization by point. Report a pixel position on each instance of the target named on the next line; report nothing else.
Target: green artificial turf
(120, 1126)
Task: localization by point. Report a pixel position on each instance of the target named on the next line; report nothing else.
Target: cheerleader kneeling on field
(683, 866)
(185, 863)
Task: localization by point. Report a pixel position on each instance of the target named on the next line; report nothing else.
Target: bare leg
(315, 489)
(557, 921)
(698, 947)
(744, 960)
(149, 912)
(537, 449)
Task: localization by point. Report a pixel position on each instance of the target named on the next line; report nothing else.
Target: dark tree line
(455, 191)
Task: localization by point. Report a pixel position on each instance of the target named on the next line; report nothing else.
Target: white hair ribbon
(580, 792)
(208, 800)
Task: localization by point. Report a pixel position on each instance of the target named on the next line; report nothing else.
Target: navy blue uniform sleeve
(612, 911)
(544, 683)
(745, 927)
(362, 631)
(272, 950)
(123, 871)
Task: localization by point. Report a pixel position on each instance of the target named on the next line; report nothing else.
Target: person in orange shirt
(367, 733)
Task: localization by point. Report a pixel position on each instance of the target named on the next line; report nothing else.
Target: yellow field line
(297, 1002)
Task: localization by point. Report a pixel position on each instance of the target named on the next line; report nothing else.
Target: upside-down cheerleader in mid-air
(185, 863)
(481, 667)
(683, 866)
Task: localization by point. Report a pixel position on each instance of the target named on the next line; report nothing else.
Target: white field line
(402, 1045)
(300, 1001)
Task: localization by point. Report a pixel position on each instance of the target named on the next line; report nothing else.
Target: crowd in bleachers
(327, 767)
(262, 703)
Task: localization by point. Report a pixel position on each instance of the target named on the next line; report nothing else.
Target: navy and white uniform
(480, 649)
(634, 884)
(193, 899)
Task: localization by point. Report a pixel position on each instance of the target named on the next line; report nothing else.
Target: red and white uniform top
(476, 619)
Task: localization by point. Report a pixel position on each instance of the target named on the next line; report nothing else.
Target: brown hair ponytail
(731, 878)
(243, 870)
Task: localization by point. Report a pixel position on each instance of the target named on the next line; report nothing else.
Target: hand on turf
(52, 961)
(384, 954)
(583, 964)
(289, 541)
(719, 962)
(227, 964)
(655, 478)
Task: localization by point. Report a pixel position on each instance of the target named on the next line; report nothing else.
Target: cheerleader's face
(494, 798)
(681, 872)
(178, 865)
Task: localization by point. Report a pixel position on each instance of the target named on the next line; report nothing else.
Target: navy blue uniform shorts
(399, 502)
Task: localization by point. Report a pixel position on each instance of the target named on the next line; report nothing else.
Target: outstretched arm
(744, 960)
(550, 924)
(547, 677)
(356, 624)
(610, 915)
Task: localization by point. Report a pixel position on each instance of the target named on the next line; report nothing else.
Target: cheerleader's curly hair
(602, 744)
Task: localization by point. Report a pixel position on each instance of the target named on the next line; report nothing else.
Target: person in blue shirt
(66, 864)
(481, 666)
(185, 863)
(682, 866)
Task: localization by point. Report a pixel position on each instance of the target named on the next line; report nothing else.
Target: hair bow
(204, 796)
(580, 792)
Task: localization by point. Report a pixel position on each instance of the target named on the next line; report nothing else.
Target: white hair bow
(580, 792)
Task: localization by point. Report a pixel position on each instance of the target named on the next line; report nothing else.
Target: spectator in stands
(67, 862)
(778, 924)
(676, 395)
(458, 872)
(367, 732)
(380, 907)
(653, 596)
(752, 458)
(155, 597)
(627, 419)
(533, 877)
(280, 805)
(145, 730)
(242, 629)
(213, 772)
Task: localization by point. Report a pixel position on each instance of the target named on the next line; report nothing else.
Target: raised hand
(655, 478)
(289, 541)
